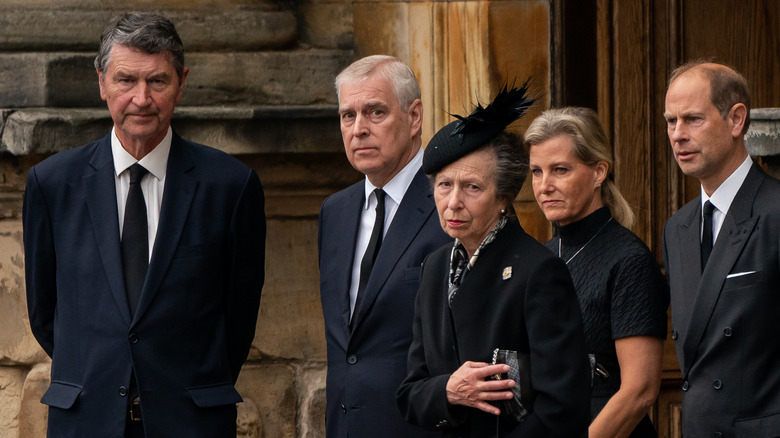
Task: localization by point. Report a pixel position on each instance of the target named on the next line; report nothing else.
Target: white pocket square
(740, 274)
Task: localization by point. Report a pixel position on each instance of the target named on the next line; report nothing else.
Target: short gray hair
(147, 32)
(405, 85)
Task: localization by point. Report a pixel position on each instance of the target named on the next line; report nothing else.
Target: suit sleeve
(40, 264)
(246, 271)
(560, 372)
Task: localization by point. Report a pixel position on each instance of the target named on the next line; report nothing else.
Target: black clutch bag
(519, 406)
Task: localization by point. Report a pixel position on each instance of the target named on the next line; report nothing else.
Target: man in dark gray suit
(722, 257)
(373, 237)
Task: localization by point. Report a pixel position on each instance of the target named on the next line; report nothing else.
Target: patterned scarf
(458, 259)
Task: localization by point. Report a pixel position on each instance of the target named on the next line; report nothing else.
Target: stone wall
(260, 87)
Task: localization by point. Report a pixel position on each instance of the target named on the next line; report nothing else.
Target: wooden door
(615, 56)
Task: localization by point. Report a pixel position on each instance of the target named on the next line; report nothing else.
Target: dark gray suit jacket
(196, 317)
(367, 363)
(726, 320)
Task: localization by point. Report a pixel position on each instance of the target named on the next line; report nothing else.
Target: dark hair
(147, 32)
(727, 86)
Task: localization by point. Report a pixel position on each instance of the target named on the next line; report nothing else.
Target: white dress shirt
(724, 195)
(394, 190)
(152, 184)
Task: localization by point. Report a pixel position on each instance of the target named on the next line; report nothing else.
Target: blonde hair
(591, 146)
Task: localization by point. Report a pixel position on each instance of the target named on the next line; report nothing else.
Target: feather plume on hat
(469, 133)
(508, 106)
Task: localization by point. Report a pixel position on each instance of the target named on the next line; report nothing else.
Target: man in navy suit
(368, 279)
(147, 329)
(722, 257)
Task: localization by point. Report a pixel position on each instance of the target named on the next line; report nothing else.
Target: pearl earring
(503, 211)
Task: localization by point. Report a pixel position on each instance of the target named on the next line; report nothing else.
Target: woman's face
(465, 194)
(565, 188)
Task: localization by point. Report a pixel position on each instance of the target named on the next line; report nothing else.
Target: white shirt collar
(397, 186)
(724, 195)
(156, 161)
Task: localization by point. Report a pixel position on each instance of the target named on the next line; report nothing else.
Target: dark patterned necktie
(135, 238)
(373, 247)
(706, 235)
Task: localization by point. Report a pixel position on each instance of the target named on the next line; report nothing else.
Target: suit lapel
(415, 209)
(734, 233)
(177, 196)
(100, 190)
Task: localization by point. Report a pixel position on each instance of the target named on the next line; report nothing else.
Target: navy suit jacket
(367, 362)
(725, 319)
(196, 317)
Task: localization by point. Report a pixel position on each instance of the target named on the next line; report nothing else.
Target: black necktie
(706, 235)
(373, 247)
(135, 238)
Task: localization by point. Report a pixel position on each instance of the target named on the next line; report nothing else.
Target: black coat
(518, 296)
(725, 320)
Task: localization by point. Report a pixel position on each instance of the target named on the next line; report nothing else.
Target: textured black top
(620, 288)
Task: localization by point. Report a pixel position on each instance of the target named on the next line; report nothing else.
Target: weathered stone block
(271, 388)
(17, 344)
(48, 130)
(290, 323)
(228, 28)
(326, 24)
(301, 77)
(236, 130)
(11, 382)
(312, 394)
(33, 414)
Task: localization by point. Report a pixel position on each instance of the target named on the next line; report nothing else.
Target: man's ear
(416, 116)
(100, 84)
(738, 117)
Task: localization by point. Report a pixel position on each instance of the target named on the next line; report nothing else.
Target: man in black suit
(144, 259)
(722, 257)
(368, 278)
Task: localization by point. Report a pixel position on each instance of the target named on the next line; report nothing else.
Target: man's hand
(470, 386)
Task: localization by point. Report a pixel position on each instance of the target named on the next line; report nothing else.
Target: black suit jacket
(367, 363)
(725, 320)
(520, 297)
(197, 312)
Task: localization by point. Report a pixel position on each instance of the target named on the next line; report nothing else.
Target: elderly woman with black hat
(498, 348)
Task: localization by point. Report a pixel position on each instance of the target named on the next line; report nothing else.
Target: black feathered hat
(468, 134)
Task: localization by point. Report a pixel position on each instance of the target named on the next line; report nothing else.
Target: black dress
(621, 292)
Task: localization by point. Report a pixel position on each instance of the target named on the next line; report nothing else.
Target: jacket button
(674, 335)
(352, 359)
(122, 391)
(133, 338)
(718, 435)
(685, 385)
(717, 384)
(727, 331)
(343, 409)
(442, 424)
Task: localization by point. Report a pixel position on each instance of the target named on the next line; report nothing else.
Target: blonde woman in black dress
(622, 294)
